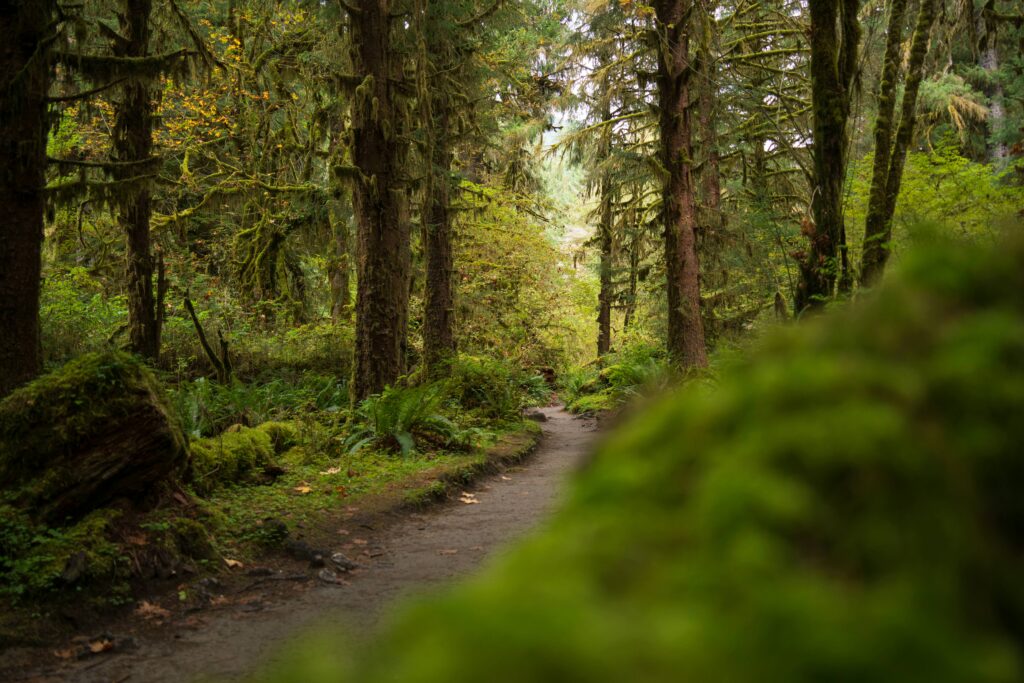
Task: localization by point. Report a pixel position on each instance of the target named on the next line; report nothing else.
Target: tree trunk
(605, 295)
(606, 224)
(338, 271)
(835, 35)
(439, 300)
(879, 233)
(133, 142)
(24, 84)
(873, 255)
(685, 329)
(998, 151)
(382, 228)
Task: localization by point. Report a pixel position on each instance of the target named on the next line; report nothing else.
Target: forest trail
(419, 553)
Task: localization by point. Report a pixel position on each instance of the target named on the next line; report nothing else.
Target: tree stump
(96, 430)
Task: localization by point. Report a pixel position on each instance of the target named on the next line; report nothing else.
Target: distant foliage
(968, 198)
(77, 316)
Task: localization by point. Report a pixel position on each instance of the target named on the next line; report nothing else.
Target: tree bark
(341, 297)
(605, 228)
(686, 343)
(605, 295)
(25, 75)
(133, 142)
(878, 231)
(835, 36)
(872, 256)
(382, 239)
(439, 298)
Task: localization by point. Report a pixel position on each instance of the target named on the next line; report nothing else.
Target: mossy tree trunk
(439, 296)
(338, 269)
(685, 329)
(382, 240)
(132, 144)
(872, 256)
(891, 155)
(25, 75)
(606, 237)
(835, 36)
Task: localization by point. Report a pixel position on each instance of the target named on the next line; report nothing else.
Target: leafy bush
(395, 418)
(844, 505)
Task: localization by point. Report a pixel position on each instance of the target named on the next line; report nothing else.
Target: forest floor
(401, 555)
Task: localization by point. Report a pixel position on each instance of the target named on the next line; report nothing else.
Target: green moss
(36, 560)
(843, 505)
(73, 405)
(231, 458)
(588, 404)
(283, 435)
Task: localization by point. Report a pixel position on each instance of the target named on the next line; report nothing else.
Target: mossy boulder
(240, 455)
(95, 430)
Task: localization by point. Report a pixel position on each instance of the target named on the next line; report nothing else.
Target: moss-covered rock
(239, 455)
(95, 430)
(843, 505)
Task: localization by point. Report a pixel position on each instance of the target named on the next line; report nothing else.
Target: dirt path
(417, 554)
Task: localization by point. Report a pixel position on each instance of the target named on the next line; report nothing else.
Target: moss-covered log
(94, 431)
(241, 454)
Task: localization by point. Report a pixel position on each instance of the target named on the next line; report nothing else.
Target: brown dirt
(413, 553)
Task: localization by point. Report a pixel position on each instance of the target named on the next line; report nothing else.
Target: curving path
(417, 554)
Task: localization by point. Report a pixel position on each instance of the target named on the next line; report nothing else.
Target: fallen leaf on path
(148, 610)
(359, 541)
(504, 478)
(303, 489)
(98, 646)
(468, 498)
(344, 532)
(64, 654)
(233, 564)
(447, 551)
(331, 470)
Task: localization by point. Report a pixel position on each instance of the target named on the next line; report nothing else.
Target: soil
(246, 624)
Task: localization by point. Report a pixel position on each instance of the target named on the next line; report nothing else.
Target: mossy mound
(93, 431)
(844, 505)
(239, 455)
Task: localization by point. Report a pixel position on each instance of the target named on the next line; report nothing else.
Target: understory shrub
(207, 407)
(493, 387)
(842, 505)
(615, 379)
(398, 416)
